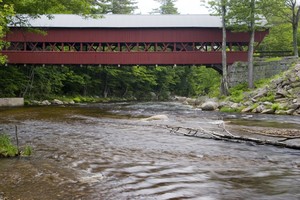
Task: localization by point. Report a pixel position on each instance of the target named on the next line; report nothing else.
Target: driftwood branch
(202, 133)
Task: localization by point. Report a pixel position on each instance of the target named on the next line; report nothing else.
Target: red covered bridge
(125, 40)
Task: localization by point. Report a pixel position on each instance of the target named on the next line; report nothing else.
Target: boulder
(290, 111)
(45, 103)
(259, 109)
(295, 106)
(268, 111)
(57, 102)
(281, 93)
(191, 101)
(248, 109)
(180, 99)
(261, 92)
(235, 106)
(209, 106)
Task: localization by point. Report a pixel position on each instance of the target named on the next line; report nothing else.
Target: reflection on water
(105, 151)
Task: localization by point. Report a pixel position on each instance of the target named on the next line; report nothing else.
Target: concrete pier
(11, 102)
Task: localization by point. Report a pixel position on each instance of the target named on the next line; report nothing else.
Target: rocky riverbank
(280, 95)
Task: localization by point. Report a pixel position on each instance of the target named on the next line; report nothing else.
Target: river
(108, 151)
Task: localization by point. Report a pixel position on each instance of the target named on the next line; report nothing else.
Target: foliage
(6, 11)
(27, 151)
(270, 97)
(7, 149)
(275, 106)
(166, 7)
(107, 82)
(237, 92)
(279, 39)
(273, 59)
(115, 7)
(230, 110)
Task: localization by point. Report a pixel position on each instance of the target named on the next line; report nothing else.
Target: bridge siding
(123, 58)
(126, 35)
(132, 35)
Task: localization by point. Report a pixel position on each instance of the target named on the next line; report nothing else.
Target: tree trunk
(251, 46)
(295, 42)
(295, 31)
(224, 84)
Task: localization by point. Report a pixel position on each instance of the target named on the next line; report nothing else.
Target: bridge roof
(127, 21)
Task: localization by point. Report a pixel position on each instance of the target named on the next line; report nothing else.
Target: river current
(108, 151)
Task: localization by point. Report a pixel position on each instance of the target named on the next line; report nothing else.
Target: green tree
(115, 6)
(220, 8)
(38, 7)
(248, 15)
(166, 7)
(278, 39)
(6, 11)
(289, 11)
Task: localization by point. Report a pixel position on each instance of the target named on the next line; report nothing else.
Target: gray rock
(290, 111)
(235, 106)
(57, 102)
(267, 103)
(261, 92)
(281, 93)
(45, 103)
(180, 99)
(209, 106)
(191, 101)
(259, 109)
(295, 85)
(268, 111)
(248, 109)
(280, 112)
(295, 106)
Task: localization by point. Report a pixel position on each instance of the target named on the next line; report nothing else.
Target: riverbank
(278, 95)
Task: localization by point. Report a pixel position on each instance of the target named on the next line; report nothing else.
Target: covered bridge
(124, 40)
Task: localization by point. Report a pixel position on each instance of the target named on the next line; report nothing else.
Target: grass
(273, 59)
(7, 149)
(237, 92)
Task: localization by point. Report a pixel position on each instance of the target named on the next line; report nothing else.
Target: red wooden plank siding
(126, 35)
(123, 58)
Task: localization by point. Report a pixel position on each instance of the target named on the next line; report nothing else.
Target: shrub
(7, 149)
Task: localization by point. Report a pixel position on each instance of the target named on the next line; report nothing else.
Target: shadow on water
(105, 151)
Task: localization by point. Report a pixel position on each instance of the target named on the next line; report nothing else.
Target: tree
(38, 7)
(247, 15)
(6, 11)
(115, 6)
(290, 12)
(166, 7)
(221, 9)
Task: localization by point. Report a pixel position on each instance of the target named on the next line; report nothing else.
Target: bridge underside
(193, 46)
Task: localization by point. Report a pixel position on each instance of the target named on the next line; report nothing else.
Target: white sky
(183, 6)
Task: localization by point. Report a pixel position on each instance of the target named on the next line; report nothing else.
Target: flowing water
(108, 151)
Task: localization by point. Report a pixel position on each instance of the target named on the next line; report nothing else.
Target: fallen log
(202, 133)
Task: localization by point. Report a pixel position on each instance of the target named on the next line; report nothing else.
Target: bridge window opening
(127, 47)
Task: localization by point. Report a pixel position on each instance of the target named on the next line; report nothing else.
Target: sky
(184, 6)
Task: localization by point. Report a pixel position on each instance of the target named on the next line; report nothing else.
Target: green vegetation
(98, 84)
(237, 92)
(7, 149)
(273, 59)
